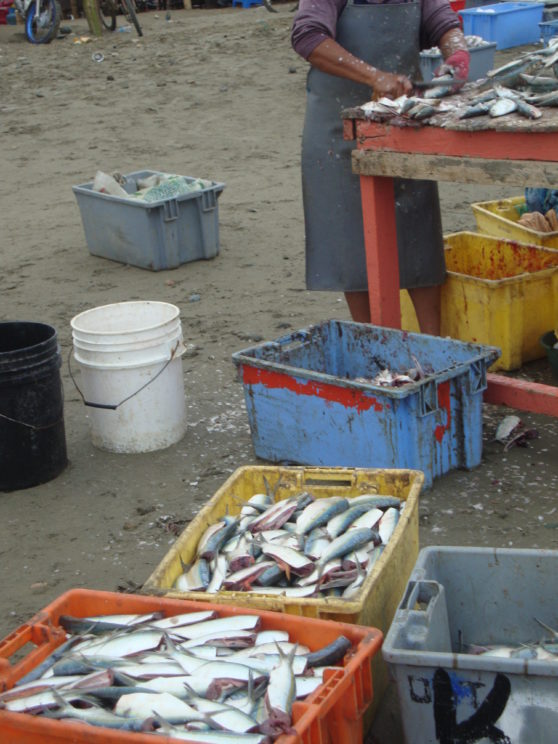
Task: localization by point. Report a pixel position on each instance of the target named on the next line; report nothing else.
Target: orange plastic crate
(330, 715)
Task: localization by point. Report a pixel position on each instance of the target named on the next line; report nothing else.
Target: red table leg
(382, 264)
(380, 240)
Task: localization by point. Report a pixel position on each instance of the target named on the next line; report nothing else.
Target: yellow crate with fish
(501, 219)
(497, 292)
(101, 667)
(317, 534)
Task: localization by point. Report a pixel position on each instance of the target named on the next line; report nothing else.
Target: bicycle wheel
(131, 14)
(43, 28)
(107, 13)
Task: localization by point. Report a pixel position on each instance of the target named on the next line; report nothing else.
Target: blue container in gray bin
(311, 399)
(458, 598)
(153, 235)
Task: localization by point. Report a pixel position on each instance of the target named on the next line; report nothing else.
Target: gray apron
(387, 37)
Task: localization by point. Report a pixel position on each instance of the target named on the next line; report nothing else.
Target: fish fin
(268, 489)
(120, 678)
(189, 691)
(547, 627)
(250, 690)
(272, 491)
(185, 566)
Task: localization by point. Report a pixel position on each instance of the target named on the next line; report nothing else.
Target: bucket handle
(113, 407)
(33, 426)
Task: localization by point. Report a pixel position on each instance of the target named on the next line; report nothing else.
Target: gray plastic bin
(482, 60)
(157, 235)
(459, 596)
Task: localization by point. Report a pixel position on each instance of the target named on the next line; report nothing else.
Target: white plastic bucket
(129, 354)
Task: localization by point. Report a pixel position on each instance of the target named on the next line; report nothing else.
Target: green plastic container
(548, 341)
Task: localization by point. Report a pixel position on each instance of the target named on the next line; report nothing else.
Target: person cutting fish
(354, 47)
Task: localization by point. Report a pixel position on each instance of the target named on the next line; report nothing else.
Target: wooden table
(515, 151)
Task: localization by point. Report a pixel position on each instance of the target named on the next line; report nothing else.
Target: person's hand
(457, 64)
(390, 85)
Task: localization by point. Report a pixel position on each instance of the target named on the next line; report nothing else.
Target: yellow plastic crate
(500, 218)
(382, 589)
(497, 292)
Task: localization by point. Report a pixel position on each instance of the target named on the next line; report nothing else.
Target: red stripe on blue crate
(334, 393)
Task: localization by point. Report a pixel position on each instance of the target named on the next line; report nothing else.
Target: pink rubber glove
(458, 65)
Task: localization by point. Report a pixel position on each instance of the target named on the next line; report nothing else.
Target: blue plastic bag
(541, 200)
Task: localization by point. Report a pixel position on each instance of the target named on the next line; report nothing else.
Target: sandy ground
(217, 94)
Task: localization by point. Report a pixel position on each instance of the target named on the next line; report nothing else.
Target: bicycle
(42, 19)
(108, 10)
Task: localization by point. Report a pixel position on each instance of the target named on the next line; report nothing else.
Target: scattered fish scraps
(137, 673)
(296, 547)
(511, 433)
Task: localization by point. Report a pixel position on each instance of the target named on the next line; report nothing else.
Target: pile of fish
(297, 547)
(195, 676)
(522, 86)
(545, 650)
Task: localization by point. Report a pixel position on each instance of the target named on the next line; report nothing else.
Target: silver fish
(162, 704)
(477, 109)
(421, 111)
(186, 618)
(439, 92)
(122, 645)
(226, 638)
(279, 698)
(306, 686)
(319, 513)
(502, 107)
(527, 110)
(387, 524)
(540, 82)
(270, 636)
(232, 623)
(343, 521)
(215, 536)
(196, 578)
(378, 501)
(219, 568)
(291, 561)
(274, 517)
(287, 591)
(245, 577)
(349, 542)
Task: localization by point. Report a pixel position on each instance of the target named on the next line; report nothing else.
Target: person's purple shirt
(316, 20)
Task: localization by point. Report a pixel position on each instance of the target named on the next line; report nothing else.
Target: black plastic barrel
(32, 437)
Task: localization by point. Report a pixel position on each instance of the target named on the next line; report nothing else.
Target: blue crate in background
(311, 400)
(508, 24)
(548, 30)
(482, 60)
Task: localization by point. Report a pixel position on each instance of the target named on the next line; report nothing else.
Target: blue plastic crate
(548, 30)
(508, 24)
(308, 401)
